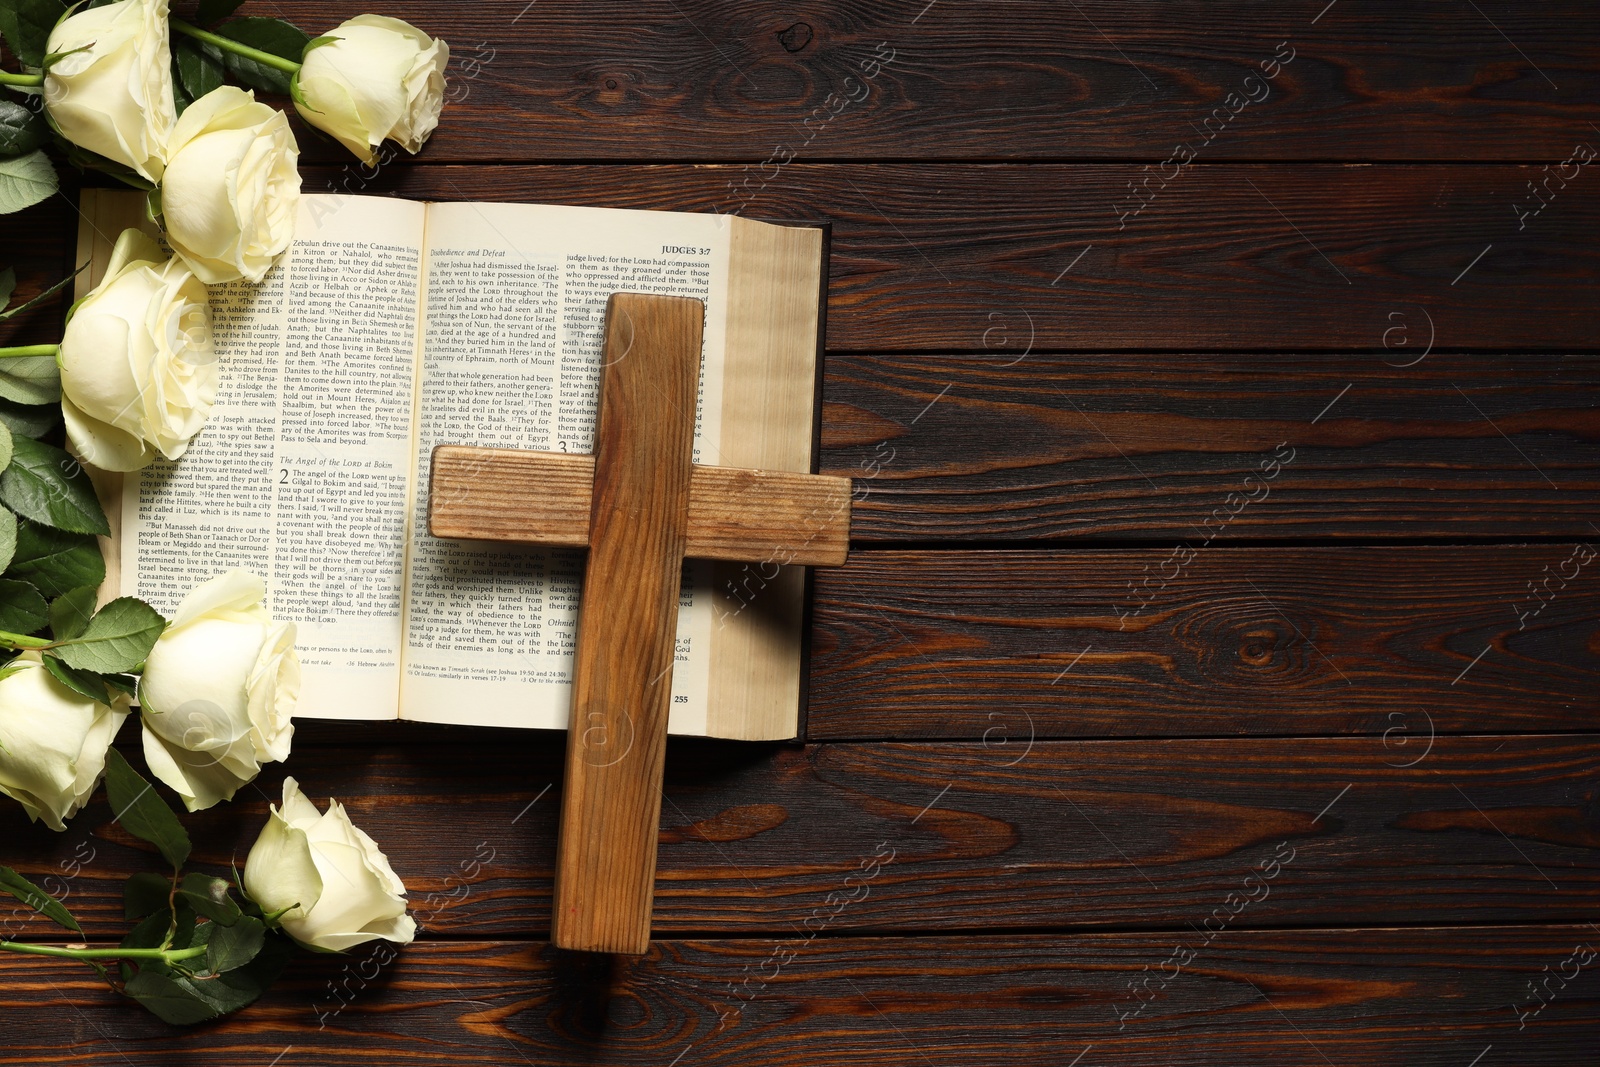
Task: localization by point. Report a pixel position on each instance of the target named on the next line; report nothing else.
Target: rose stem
(166, 955)
(30, 350)
(11, 640)
(266, 59)
(29, 80)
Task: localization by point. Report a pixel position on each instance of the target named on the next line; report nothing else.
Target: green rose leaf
(31, 380)
(46, 485)
(8, 285)
(199, 66)
(212, 12)
(117, 639)
(13, 883)
(71, 611)
(84, 683)
(54, 561)
(179, 998)
(151, 931)
(141, 812)
(208, 896)
(22, 608)
(6, 448)
(8, 538)
(231, 947)
(266, 35)
(21, 130)
(29, 420)
(25, 181)
(145, 894)
(26, 26)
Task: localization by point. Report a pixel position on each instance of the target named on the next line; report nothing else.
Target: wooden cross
(640, 505)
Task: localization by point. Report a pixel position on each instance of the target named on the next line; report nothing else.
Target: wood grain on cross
(641, 506)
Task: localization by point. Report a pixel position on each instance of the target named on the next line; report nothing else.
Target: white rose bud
(333, 885)
(138, 373)
(232, 187)
(115, 96)
(218, 691)
(381, 78)
(53, 741)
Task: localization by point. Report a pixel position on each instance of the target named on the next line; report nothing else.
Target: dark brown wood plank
(1299, 257)
(1423, 997)
(38, 245)
(1000, 447)
(1223, 641)
(696, 80)
(986, 259)
(1000, 834)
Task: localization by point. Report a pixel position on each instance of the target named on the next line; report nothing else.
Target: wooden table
(1186, 699)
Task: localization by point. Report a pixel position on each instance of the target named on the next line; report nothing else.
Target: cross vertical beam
(627, 624)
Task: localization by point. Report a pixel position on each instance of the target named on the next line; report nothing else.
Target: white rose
(381, 78)
(138, 373)
(218, 691)
(232, 187)
(52, 741)
(334, 887)
(115, 96)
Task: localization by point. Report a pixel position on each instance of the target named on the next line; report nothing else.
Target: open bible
(392, 326)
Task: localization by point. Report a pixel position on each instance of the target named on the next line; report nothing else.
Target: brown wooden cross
(640, 505)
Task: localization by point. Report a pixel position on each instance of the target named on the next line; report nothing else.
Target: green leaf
(8, 538)
(8, 285)
(208, 896)
(169, 997)
(122, 683)
(6, 448)
(46, 485)
(212, 12)
(55, 561)
(13, 883)
(266, 35)
(47, 294)
(143, 813)
(180, 999)
(26, 26)
(25, 181)
(85, 683)
(22, 609)
(145, 894)
(151, 931)
(231, 947)
(199, 66)
(71, 611)
(21, 130)
(29, 420)
(117, 639)
(30, 380)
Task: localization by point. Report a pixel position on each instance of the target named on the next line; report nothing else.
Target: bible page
(514, 304)
(302, 474)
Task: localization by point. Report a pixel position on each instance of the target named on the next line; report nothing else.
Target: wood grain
(1013, 446)
(496, 494)
(622, 675)
(1424, 997)
(1159, 642)
(694, 80)
(1308, 257)
(999, 834)
(975, 258)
